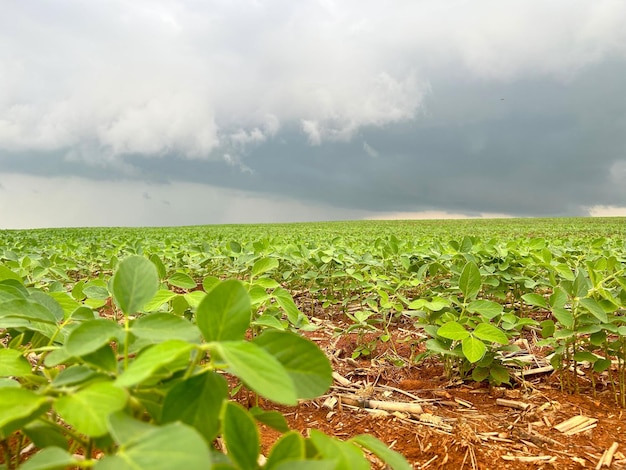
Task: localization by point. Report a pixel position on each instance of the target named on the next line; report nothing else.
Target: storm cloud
(352, 109)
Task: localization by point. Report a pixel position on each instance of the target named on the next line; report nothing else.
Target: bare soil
(451, 424)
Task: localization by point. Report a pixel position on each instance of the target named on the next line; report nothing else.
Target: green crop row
(80, 321)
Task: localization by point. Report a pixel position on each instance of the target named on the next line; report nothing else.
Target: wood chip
(519, 405)
(412, 408)
(341, 379)
(576, 424)
(607, 457)
(529, 458)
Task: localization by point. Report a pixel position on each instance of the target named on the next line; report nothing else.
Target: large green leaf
(264, 265)
(224, 314)
(51, 458)
(170, 355)
(595, 309)
(473, 349)
(174, 445)
(305, 363)
(470, 281)
(17, 407)
(453, 330)
(487, 308)
(240, 435)
(12, 363)
(197, 401)
(161, 297)
(134, 283)
(125, 429)
(290, 446)
(182, 280)
(259, 369)
(488, 332)
(535, 300)
(43, 434)
(164, 326)
(88, 409)
(91, 335)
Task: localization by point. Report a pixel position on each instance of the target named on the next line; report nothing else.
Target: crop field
(478, 344)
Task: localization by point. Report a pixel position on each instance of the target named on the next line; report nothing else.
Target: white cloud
(184, 78)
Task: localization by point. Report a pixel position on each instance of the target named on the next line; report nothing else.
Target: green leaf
(535, 300)
(581, 285)
(173, 353)
(470, 281)
(159, 265)
(585, 356)
(595, 309)
(480, 373)
(392, 458)
(197, 401)
(12, 363)
(209, 283)
(173, 444)
(473, 349)
(264, 265)
(260, 370)
(349, 456)
(453, 330)
(305, 363)
(125, 429)
(547, 328)
(487, 308)
(103, 359)
(74, 375)
(559, 298)
(488, 332)
(564, 317)
(51, 458)
(91, 335)
(164, 326)
(18, 406)
(182, 280)
(273, 419)
(290, 446)
(284, 299)
(6, 273)
(240, 435)
(134, 283)
(434, 305)
(601, 365)
(437, 346)
(44, 434)
(88, 409)
(224, 314)
(162, 296)
(499, 374)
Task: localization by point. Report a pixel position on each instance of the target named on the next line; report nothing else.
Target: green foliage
(137, 326)
(147, 391)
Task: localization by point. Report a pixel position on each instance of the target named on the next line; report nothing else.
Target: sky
(187, 112)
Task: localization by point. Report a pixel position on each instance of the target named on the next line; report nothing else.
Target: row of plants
(142, 386)
(473, 287)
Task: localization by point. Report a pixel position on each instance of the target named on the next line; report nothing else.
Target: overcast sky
(156, 112)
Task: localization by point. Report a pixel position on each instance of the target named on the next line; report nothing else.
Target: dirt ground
(441, 424)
